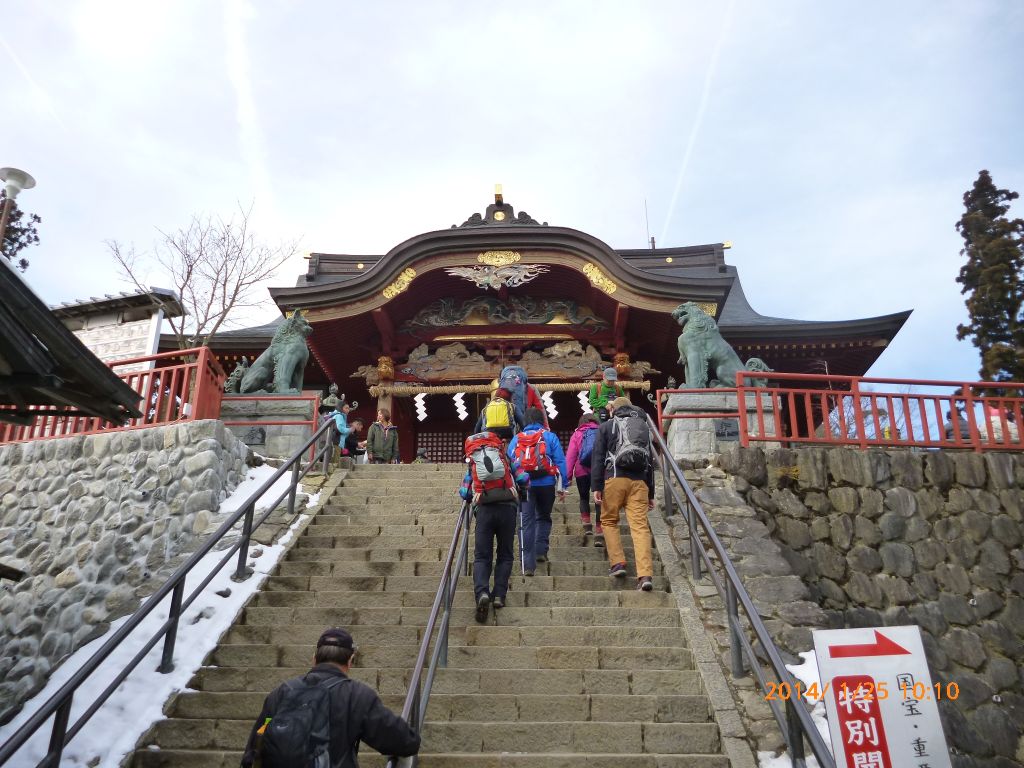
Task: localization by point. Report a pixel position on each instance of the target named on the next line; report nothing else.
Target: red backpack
(490, 476)
(532, 454)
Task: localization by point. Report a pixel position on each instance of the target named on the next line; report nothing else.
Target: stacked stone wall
(95, 521)
(875, 538)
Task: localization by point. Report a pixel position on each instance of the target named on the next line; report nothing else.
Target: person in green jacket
(382, 440)
(603, 392)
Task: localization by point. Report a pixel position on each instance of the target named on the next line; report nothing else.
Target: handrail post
(795, 734)
(668, 508)
(691, 518)
(60, 729)
(858, 414)
(242, 572)
(167, 659)
(733, 617)
(741, 407)
(292, 492)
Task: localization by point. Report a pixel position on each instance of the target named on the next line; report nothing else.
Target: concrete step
(463, 611)
(184, 758)
(469, 657)
(447, 707)
(516, 598)
(395, 680)
(375, 585)
(372, 637)
(324, 537)
(324, 562)
(405, 549)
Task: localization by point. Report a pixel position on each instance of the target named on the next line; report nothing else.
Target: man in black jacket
(356, 711)
(617, 488)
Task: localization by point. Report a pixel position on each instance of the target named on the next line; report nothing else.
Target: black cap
(336, 636)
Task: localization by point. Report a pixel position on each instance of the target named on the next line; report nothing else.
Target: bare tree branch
(214, 265)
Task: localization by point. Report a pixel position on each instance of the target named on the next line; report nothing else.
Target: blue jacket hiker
(493, 487)
(340, 417)
(539, 454)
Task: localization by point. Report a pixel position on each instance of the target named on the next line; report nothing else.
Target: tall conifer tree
(993, 279)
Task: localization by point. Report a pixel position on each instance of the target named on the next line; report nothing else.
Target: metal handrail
(59, 705)
(414, 711)
(795, 722)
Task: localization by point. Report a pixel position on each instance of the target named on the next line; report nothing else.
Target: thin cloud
(43, 95)
(250, 135)
(698, 120)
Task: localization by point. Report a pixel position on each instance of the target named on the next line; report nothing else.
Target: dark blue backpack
(587, 447)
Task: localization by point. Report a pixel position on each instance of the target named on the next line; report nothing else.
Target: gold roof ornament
(709, 307)
(599, 279)
(498, 258)
(400, 284)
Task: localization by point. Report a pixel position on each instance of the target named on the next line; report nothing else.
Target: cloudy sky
(830, 142)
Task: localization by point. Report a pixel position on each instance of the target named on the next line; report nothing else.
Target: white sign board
(881, 704)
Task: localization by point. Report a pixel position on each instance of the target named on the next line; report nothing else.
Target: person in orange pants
(622, 477)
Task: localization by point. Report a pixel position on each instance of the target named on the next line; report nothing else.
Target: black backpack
(631, 444)
(299, 734)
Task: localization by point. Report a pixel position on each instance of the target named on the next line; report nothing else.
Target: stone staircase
(577, 670)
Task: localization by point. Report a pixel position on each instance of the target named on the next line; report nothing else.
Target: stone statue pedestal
(258, 430)
(703, 438)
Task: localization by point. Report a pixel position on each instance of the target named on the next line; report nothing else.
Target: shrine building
(443, 312)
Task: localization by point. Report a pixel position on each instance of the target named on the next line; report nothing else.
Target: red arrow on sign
(882, 646)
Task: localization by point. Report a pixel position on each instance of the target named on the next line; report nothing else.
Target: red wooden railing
(180, 386)
(797, 408)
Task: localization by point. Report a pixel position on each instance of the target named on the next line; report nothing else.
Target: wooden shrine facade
(448, 309)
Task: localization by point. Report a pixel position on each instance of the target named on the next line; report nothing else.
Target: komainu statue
(709, 360)
(279, 370)
(234, 381)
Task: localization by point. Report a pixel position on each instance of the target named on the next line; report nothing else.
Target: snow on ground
(807, 673)
(114, 730)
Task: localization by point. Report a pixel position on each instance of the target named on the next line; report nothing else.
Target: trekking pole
(522, 553)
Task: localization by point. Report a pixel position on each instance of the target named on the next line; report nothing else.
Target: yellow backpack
(498, 414)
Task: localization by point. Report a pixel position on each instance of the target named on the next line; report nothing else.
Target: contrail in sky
(33, 84)
(250, 136)
(699, 118)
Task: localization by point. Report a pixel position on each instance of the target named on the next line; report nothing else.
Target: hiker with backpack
(500, 416)
(524, 395)
(538, 452)
(493, 485)
(317, 720)
(622, 477)
(578, 460)
(603, 392)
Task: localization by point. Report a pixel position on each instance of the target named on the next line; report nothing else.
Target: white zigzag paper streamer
(421, 406)
(460, 406)
(549, 405)
(584, 401)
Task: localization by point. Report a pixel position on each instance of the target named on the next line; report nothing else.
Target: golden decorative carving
(385, 368)
(401, 283)
(708, 307)
(622, 365)
(498, 258)
(598, 278)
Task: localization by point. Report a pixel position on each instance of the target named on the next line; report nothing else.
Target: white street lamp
(14, 180)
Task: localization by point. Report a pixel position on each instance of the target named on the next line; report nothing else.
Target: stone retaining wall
(876, 538)
(95, 521)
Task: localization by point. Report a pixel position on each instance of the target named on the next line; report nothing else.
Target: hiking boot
(483, 605)
(645, 584)
(588, 529)
(498, 602)
(528, 572)
(618, 570)
(542, 558)
(599, 539)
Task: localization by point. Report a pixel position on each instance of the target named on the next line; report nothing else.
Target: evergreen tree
(993, 279)
(21, 232)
